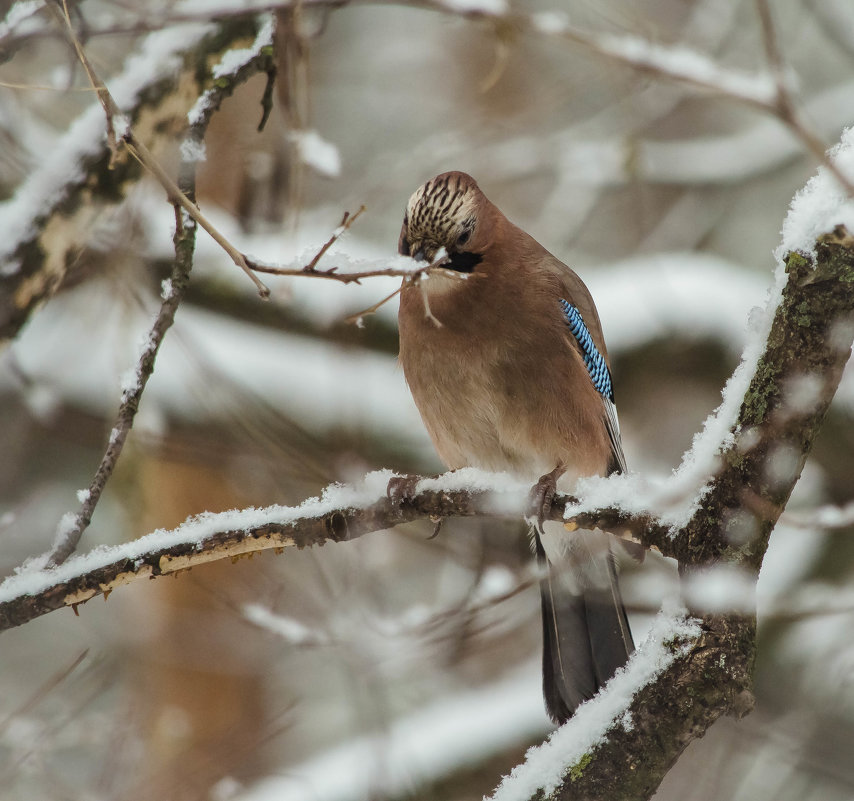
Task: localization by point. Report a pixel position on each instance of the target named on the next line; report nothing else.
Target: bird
(502, 349)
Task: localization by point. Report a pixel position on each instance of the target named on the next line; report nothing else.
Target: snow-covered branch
(758, 464)
(341, 513)
(45, 225)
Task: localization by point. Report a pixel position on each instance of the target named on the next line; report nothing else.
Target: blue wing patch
(593, 360)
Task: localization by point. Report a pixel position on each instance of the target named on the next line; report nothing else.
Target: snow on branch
(340, 513)
(44, 225)
(673, 635)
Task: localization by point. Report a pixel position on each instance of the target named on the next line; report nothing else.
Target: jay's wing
(600, 377)
(586, 634)
(581, 316)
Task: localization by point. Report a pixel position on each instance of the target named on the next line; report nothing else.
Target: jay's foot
(542, 495)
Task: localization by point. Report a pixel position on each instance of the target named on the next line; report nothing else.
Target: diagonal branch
(783, 408)
(71, 530)
(144, 156)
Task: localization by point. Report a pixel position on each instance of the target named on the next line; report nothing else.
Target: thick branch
(667, 714)
(783, 409)
(782, 412)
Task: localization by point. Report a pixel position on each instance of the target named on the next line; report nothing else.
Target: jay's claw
(542, 495)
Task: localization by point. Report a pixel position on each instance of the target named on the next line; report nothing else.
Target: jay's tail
(586, 634)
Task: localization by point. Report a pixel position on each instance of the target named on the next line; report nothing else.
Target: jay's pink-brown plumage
(510, 372)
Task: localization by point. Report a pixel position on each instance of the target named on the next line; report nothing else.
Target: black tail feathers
(586, 634)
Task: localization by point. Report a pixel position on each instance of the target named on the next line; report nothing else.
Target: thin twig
(45, 689)
(415, 276)
(144, 156)
(111, 110)
(354, 318)
(331, 273)
(346, 222)
(426, 301)
(784, 106)
(69, 534)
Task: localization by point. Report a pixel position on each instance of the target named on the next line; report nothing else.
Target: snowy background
(396, 667)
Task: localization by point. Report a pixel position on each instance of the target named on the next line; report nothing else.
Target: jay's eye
(463, 237)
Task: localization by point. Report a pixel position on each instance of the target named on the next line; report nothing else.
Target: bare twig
(331, 273)
(428, 314)
(355, 318)
(144, 156)
(415, 276)
(784, 106)
(346, 222)
(45, 689)
(111, 110)
(69, 533)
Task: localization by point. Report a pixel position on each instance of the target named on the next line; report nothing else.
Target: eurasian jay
(508, 368)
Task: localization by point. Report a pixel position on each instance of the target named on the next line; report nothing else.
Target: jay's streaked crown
(442, 214)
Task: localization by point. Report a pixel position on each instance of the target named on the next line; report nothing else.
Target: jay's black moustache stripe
(463, 262)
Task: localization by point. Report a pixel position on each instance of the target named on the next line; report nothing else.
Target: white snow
(816, 209)
(687, 64)
(193, 150)
(17, 13)
(290, 630)
(496, 582)
(670, 636)
(316, 152)
(233, 60)
(550, 22)
(721, 588)
(496, 8)
(699, 462)
(833, 516)
(509, 493)
(822, 204)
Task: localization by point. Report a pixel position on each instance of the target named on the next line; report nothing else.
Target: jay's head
(446, 212)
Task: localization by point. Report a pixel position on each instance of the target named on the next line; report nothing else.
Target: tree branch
(783, 409)
(46, 223)
(69, 533)
(213, 537)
